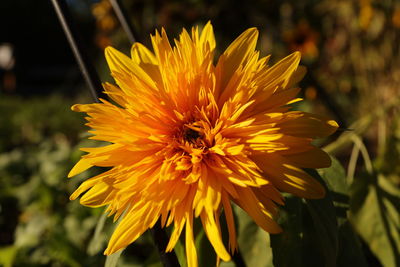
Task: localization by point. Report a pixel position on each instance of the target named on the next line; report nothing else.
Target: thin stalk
(93, 81)
(80, 52)
(123, 19)
(351, 168)
(364, 152)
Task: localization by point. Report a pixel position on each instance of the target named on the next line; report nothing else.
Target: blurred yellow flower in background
(396, 17)
(189, 137)
(366, 14)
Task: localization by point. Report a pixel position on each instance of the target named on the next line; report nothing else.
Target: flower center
(191, 135)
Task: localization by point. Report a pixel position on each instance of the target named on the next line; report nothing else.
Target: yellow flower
(189, 137)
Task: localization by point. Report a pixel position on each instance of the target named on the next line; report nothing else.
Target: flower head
(188, 138)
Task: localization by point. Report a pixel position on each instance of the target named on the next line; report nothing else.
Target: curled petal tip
(333, 123)
(75, 108)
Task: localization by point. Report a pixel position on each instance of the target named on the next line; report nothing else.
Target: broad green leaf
(326, 229)
(375, 214)
(350, 252)
(323, 215)
(289, 242)
(310, 232)
(335, 179)
(254, 244)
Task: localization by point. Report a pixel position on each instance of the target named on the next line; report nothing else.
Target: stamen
(191, 135)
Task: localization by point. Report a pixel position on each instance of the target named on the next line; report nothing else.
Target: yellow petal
(134, 224)
(98, 195)
(88, 184)
(213, 232)
(297, 76)
(115, 94)
(230, 222)
(191, 253)
(82, 165)
(178, 227)
(141, 54)
(308, 125)
(147, 61)
(279, 98)
(236, 54)
(263, 218)
(207, 39)
(289, 178)
(120, 63)
(314, 158)
(162, 47)
(281, 73)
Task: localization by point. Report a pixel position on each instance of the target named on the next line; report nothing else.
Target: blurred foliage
(39, 226)
(351, 50)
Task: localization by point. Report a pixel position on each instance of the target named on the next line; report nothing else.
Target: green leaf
(292, 240)
(323, 214)
(350, 251)
(375, 214)
(253, 241)
(326, 229)
(310, 232)
(335, 177)
(349, 247)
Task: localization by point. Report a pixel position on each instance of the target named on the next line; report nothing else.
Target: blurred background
(351, 51)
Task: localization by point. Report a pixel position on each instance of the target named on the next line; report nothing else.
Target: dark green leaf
(335, 179)
(310, 227)
(292, 240)
(350, 252)
(253, 241)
